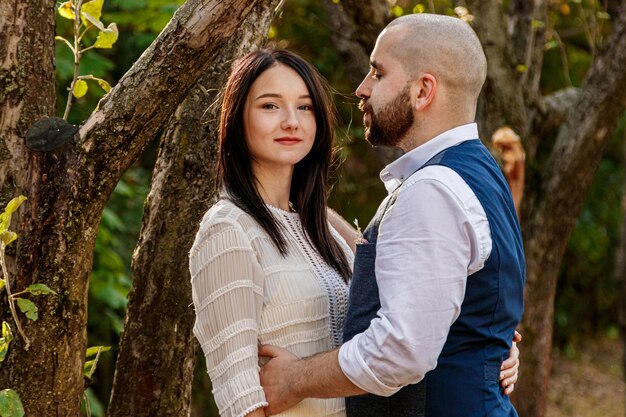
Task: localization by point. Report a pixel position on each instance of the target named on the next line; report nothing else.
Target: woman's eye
(270, 106)
(306, 107)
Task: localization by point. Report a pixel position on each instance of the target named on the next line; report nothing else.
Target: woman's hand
(509, 372)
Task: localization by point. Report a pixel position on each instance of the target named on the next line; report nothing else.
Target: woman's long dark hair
(310, 175)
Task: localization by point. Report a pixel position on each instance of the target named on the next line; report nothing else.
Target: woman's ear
(423, 90)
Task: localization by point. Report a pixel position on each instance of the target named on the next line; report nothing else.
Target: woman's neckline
(282, 211)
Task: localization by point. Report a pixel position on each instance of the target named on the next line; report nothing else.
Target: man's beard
(393, 121)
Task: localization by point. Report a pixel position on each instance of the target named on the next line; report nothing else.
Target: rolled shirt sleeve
(429, 241)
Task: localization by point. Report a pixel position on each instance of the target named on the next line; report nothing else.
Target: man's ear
(423, 90)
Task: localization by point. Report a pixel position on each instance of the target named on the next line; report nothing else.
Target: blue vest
(465, 381)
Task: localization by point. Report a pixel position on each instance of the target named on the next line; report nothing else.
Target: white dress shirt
(433, 237)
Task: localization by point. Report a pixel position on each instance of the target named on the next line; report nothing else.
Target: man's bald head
(444, 46)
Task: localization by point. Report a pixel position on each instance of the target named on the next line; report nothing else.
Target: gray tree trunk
(155, 364)
(68, 187)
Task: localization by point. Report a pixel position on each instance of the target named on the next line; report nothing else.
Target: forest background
(587, 304)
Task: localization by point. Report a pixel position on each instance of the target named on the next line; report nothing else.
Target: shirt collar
(394, 174)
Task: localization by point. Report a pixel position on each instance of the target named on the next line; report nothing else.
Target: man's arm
(287, 380)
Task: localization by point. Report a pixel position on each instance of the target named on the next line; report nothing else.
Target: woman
(266, 266)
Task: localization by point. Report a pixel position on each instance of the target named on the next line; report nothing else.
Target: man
(437, 289)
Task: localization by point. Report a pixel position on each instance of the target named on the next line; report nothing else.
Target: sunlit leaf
(14, 204)
(2, 283)
(104, 85)
(11, 207)
(551, 44)
(10, 404)
(5, 340)
(521, 68)
(92, 8)
(90, 20)
(29, 308)
(271, 33)
(107, 37)
(87, 367)
(419, 8)
(94, 350)
(603, 15)
(537, 24)
(7, 237)
(39, 289)
(397, 11)
(65, 10)
(80, 88)
(565, 9)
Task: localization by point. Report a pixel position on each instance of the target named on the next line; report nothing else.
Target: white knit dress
(245, 293)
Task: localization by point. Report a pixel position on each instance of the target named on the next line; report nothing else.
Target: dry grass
(589, 384)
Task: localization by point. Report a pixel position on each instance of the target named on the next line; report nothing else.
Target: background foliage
(586, 304)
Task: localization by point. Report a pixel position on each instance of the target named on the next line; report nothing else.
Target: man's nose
(363, 90)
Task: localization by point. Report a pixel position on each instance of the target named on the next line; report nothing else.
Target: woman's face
(279, 121)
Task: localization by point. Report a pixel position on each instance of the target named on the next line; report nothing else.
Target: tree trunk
(26, 94)
(620, 270)
(354, 27)
(157, 349)
(550, 220)
(26, 85)
(68, 187)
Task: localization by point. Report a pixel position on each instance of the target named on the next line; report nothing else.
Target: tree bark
(551, 219)
(155, 365)
(354, 27)
(27, 93)
(27, 80)
(502, 99)
(620, 270)
(68, 187)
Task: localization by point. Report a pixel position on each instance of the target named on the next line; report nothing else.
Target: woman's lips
(288, 140)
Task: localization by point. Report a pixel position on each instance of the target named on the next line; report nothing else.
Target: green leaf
(521, 68)
(94, 350)
(107, 37)
(397, 11)
(419, 8)
(10, 404)
(39, 289)
(5, 340)
(2, 283)
(7, 237)
(89, 19)
(29, 308)
(551, 45)
(104, 85)
(5, 217)
(87, 367)
(537, 24)
(80, 88)
(6, 331)
(65, 10)
(92, 8)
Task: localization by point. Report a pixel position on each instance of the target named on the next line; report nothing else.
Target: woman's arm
(345, 229)
(227, 290)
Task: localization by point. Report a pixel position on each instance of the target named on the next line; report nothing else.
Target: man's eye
(377, 75)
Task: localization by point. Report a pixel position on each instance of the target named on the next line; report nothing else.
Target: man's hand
(510, 367)
(278, 377)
